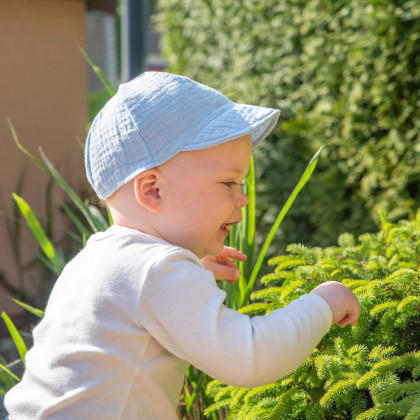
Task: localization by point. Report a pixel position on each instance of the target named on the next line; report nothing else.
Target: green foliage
(17, 338)
(55, 261)
(345, 73)
(371, 371)
(7, 377)
(111, 90)
(242, 237)
(97, 100)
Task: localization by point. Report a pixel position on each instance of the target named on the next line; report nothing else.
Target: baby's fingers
(229, 273)
(233, 253)
(350, 318)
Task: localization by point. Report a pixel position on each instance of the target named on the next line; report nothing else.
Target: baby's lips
(229, 224)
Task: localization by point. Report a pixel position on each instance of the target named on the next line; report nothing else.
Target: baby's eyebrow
(233, 171)
(236, 171)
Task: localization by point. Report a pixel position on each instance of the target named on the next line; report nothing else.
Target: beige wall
(43, 91)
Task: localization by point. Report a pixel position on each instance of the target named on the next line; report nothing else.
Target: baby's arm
(344, 305)
(182, 308)
(222, 265)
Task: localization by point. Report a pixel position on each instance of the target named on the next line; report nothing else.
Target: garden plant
(344, 73)
(369, 372)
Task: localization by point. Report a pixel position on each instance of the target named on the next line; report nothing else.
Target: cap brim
(235, 122)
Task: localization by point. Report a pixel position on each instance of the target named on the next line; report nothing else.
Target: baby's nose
(242, 200)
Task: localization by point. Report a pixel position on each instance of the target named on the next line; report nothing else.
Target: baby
(140, 302)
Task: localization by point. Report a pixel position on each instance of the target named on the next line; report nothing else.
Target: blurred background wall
(43, 85)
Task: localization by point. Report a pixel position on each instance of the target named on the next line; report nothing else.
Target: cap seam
(222, 111)
(138, 130)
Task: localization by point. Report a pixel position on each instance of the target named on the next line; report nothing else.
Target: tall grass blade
(93, 222)
(109, 215)
(25, 151)
(39, 234)
(74, 218)
(19, 343)
(248, 227)
(195, 393)
(233, 290)
(49, 213)
(108, 86)
(47, 263)
(242, 237)
(246, 231)
(97, 215)
(16, 378)
(13, 226)
(302, 182)
(37, 312)
(76, 237)
(15, 229)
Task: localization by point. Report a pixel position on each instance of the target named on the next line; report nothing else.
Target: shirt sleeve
(182, 308)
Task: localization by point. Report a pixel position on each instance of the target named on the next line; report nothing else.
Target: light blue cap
(157, 115)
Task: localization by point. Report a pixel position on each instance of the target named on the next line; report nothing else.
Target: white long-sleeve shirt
(127, 316)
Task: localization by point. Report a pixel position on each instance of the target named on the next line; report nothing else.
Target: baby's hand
(222, 265)
(343, 302)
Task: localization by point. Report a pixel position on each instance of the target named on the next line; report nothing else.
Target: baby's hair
(104, 202)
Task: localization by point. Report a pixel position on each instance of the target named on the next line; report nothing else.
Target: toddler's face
(201, 195)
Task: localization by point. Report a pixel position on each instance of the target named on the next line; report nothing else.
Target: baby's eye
(230, 184)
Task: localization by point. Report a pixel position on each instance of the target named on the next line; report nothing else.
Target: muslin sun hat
(157, 115)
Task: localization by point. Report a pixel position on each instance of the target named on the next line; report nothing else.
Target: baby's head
(169, 155)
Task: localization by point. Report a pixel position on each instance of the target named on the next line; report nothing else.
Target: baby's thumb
(351, 319)
(225, 272)
(229, 274)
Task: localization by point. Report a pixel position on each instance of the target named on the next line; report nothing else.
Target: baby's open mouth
(227, 226)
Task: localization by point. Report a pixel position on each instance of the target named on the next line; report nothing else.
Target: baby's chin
(214, 250)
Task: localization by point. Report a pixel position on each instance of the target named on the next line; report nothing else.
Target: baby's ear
(147, 191)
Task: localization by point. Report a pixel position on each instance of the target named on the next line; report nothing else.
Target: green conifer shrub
(345, 73)
(367, 372)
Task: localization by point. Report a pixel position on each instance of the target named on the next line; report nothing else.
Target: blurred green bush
(344, 73)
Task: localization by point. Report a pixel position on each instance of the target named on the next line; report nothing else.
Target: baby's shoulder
(129, 247)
